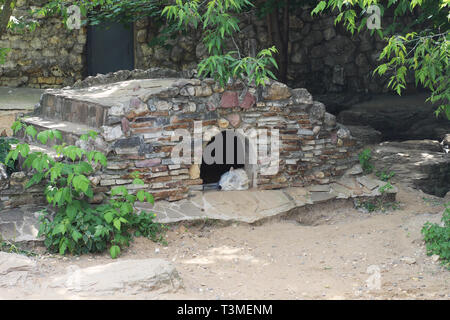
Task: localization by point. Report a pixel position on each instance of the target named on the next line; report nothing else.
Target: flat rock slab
(14, 269)
(247, 206)
(130, 276)
(368, 182)
(250, 206)
(115, 94)
(19, 98)
(20, 224)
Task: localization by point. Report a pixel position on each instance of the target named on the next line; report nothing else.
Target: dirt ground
(332, 259)
(6, 120)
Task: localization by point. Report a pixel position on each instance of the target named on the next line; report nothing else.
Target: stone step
(74, 110)
(90, 106)
(71, 132)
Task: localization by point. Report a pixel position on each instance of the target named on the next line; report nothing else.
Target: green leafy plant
(5, 147)
(384, 175)
(218, 22)
(77, 226)
(420, 47)
(383, 189)
(365, 157)
(380, 204)
(437, 237)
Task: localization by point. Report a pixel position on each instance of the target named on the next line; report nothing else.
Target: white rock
(11, 262)
(14, 269)
(408, 260)
(130, 276)
(112, 133)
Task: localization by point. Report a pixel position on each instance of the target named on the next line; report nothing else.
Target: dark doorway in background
(211, 173)
(110, 47)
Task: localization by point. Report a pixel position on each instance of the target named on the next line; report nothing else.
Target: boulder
(398, 118)
(420, 164)
(14, 269)
(3, 177)
(365, 135)
(130, 276)
(276, 91)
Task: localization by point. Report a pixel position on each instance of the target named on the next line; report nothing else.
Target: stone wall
(49, 57)
(139, 135)
(13, 193)
(323, 58)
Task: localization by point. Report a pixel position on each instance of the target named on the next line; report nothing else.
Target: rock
(365, 135)
(317, 111)
(435, 257)
(125, 276)
(408, 260)
(414, 165)
(329, 120)
(234, 180)
(424, 145)
(446, 143)
(369, 183)
(355, 170)
(3, 177)
(343, 133)
(229, 100)
(276, 91)
(112, 133)
(11, 262)
(14, 269)
(235, 119)
(398, 118)
(248, 101)
(194, 171)
(136, 108)
(301, 96)
(223, 123)
(318, 197)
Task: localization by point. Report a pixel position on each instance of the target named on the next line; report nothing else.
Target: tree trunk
(5, 15)
(279, 36)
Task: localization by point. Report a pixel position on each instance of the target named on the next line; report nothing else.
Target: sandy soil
(6, 120)
(285, 260)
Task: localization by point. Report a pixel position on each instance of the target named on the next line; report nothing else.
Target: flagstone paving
(248, 206)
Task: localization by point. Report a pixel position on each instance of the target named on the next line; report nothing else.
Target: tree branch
(5, 15)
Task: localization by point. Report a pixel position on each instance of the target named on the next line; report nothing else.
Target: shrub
(437, 237)
(5, 147)
(77, 226)
(385, 175)
(364, 159)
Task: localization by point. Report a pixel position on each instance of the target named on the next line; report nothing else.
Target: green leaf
(108, 216)
(31, 131)
(116, 224)
(43, 137)
(114, 251)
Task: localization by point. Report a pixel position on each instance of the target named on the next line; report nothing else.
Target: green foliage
(421, 47)
(437, 237)
(9, 247)
(384, 175)
(3, 54)
(218, 23)
(78, 227)
(380, 204)
(5, 148)
(383, 189)
(365, 157)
